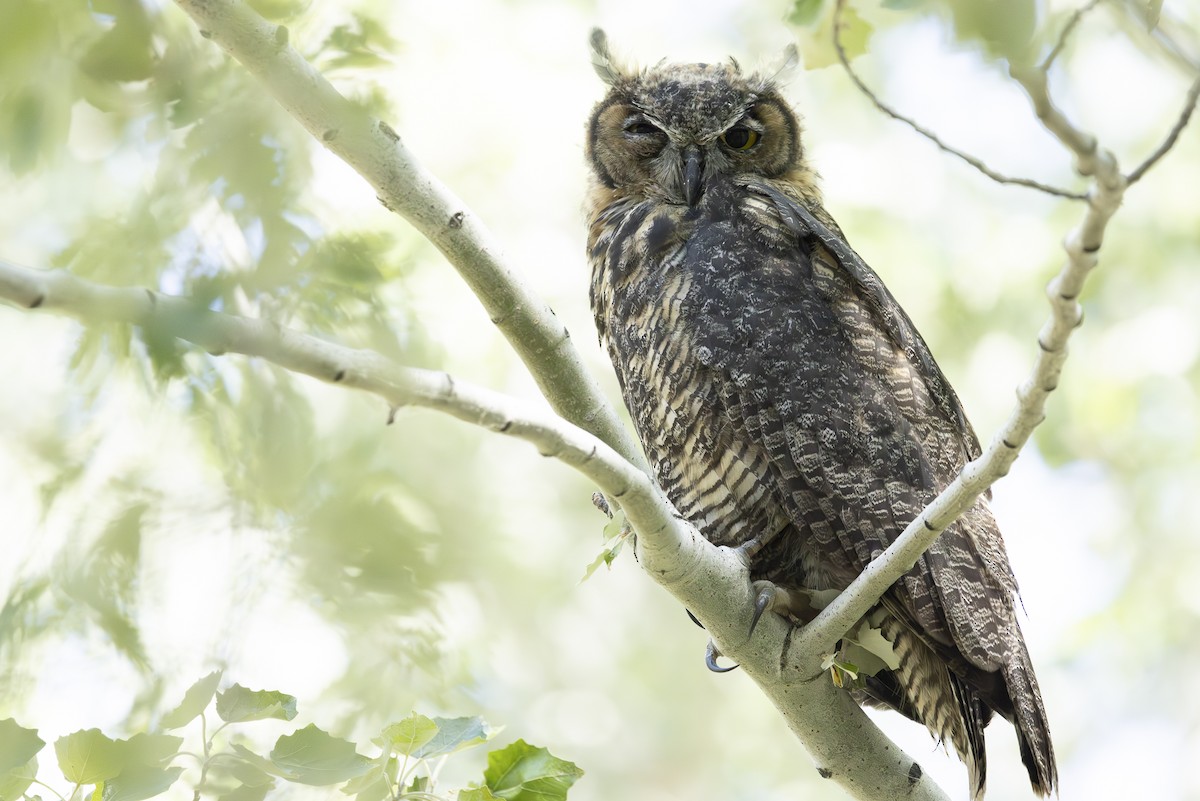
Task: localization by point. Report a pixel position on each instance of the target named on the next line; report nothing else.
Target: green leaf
(247, 792)
(88, 757)
(17, 745)
(805, 12)
(611, 548)
(126, 51)
(375, 784)
(410, 734)
(454, 734)
(250, 774)
(902, 5)
(522, 772)
(258, 761)
(195, 701)
(311, 756)
(16, 780)
(477, 794)
(148, 750)
(1004, 27)
(139, 782)
(238, 705)
(816, 43)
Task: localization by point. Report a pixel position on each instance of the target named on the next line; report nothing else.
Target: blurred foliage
(169, 487)
(411, 754)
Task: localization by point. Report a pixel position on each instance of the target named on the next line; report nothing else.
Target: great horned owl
(784, 399)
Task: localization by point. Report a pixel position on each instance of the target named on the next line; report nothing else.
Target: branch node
(456, 220)
(281, 36)
(914, 773)
(38, 301)
(928, 525)
(392, 414)
(384, 203)
(825, 773)
(339, 375)
(329, 135)
(1011, 446)
(601, 503)
(389, 131)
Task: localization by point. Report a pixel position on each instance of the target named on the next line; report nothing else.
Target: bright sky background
(492, 97)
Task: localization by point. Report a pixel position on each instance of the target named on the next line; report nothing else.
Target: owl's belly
(712, 477)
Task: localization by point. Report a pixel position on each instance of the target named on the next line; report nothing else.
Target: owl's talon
(711, 654)
(767, 593)
(749, 549)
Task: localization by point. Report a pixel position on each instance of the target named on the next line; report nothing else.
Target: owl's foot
(711, 654)
(749, 549)
(773, 598)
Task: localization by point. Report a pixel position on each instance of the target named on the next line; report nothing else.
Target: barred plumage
(781, 393)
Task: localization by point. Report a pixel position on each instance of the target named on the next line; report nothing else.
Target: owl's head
(668, 130)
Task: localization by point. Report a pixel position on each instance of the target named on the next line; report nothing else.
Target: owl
(785, 401)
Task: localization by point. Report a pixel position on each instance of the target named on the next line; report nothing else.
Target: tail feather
(1029, 719)
(925, 690)
(956, 708)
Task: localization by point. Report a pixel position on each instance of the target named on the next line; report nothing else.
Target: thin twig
(1066, 33)
(932, 137)
(1189, 106)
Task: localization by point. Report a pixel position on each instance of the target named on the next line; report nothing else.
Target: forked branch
(932, 137)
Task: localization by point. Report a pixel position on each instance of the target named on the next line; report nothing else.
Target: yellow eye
(739, 137)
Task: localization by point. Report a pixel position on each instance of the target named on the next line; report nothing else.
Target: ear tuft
(786, 66)
(603, 62)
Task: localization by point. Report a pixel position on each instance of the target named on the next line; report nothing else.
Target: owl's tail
(1029, 718)
(956, 709)
(924, 689)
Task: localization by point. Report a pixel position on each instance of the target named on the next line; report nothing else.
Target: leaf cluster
(410, 755)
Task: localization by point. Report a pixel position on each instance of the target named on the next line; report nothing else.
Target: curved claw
(711, 654)
(764, 601)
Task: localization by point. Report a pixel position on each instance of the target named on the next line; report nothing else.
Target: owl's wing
(887, 314)
(822, 372)
(829, 376)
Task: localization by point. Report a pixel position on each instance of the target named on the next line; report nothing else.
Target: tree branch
(1169, 142)
(932, 137)
(1066, 32)
(1082, 244)
(712, 582)
(374, 150)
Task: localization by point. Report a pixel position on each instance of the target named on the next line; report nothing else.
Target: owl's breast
(647, 304)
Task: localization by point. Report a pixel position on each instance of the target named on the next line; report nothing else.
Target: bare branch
(1168, 143)
(932, 137)
(712, 582)
(376, 152)
(1081, 245)
(1065, 33)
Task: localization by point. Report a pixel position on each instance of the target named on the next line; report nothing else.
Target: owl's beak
(693, 170)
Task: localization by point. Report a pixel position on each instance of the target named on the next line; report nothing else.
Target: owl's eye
(641, 128)
(739, 137)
